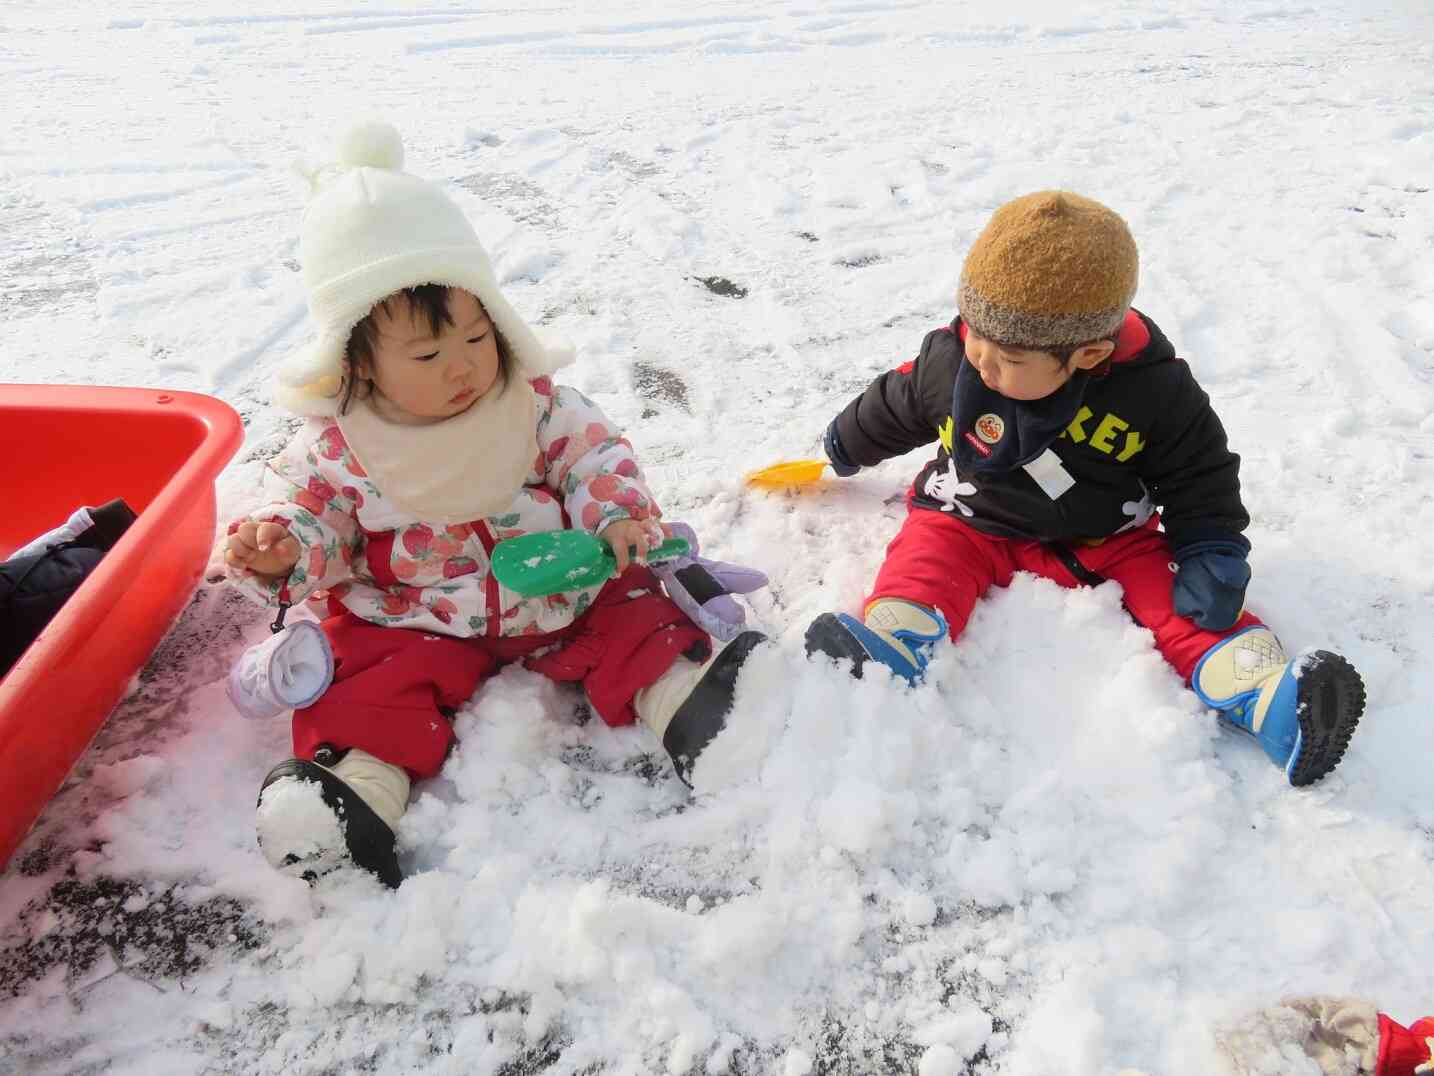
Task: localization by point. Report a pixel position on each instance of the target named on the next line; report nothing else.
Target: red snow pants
(941, 562)
(391, 685)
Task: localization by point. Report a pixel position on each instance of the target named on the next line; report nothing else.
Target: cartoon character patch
(945, 487)
(1139, 511)
(990, 428)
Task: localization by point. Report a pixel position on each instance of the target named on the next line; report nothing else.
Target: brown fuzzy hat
(1051, 270)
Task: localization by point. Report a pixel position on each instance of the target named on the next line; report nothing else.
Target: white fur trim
(558, 352)
(309, 404)
(313, 362)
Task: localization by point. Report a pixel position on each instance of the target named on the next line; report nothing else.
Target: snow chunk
(939, 1061)
(918, 909)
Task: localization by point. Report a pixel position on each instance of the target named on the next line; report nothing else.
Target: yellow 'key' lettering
(1133, 444)
(1106, 431)
(1075, 429)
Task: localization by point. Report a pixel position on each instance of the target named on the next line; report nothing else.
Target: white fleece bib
(463, 468)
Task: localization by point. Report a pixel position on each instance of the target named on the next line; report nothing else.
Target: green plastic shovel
(551, 562)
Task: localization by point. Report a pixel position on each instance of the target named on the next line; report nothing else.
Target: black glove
(1211, 580)
(841, 462)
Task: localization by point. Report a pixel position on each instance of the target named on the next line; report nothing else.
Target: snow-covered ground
(1048, 859)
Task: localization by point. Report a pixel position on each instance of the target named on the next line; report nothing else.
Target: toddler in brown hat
(1073, 443)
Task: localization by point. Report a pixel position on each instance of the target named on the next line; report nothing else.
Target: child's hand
(626, 533)
(1210, 583)
(831, 443)
(263, 548)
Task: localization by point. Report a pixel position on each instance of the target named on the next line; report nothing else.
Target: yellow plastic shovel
(791, 473)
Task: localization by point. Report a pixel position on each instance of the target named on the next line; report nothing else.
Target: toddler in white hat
(435, 431)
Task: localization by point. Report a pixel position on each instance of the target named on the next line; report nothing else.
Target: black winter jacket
(1145, 436)
(32, 590)
(34, 587)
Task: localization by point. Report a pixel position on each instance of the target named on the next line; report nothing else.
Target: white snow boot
(288, 670)
(1301, 712)
(342, 808)
(688, 705)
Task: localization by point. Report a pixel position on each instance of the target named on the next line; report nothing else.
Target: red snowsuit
(392, 685)
(939, 561)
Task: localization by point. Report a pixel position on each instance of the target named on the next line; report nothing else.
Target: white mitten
(288, 670)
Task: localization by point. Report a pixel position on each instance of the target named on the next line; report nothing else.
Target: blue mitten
(841, 462)
(1210, 582)
(703, 588)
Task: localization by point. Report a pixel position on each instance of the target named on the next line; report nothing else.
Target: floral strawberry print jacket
(406, 573)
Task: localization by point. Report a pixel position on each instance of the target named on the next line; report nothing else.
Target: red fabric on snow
(631, 636)
(390, 682)
(939, 561)
(1402, 1050)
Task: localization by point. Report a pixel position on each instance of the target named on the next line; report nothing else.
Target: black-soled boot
(311, 821)
(687, 715)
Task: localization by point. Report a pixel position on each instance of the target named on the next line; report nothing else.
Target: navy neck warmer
(994, 433)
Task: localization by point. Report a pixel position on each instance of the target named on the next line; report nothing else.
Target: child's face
(1027, 375)
(433, 376)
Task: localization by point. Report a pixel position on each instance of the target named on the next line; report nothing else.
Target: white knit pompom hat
(370, 230)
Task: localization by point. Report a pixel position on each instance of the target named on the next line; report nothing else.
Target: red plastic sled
(62, 446)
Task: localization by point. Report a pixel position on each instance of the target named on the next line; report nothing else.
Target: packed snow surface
(1048, 858)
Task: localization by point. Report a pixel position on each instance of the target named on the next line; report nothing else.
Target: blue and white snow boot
(1302, 712)
(895, 633)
